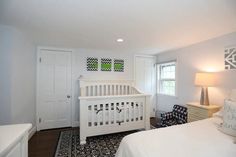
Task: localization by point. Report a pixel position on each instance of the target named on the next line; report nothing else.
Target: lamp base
(204, 100)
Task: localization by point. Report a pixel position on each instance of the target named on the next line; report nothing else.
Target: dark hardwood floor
(44, 143)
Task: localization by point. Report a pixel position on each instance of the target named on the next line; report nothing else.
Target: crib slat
(125, 112)
(115, 89)
(106, 86)
(130, 109)
(109, 113)
(139, 111)
(89, 90)
(115, 113)
(109, 89)
(118, 91)
(104, 114)
(99, 117)
(86, 90)
(102, 90)
(119, 113)
(92, 111)
(136, 111)
(94, 90)
(112, 89)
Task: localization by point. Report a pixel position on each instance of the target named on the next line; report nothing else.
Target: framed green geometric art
(118, 65)
(92, 64)
(106, 64)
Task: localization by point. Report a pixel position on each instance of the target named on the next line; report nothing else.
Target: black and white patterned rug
(97, 146)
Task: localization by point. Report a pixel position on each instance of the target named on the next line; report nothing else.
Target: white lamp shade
(205, 79)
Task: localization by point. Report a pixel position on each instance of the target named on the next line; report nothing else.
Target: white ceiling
(146, 25)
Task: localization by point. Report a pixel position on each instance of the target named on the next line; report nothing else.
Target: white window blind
(167, 78)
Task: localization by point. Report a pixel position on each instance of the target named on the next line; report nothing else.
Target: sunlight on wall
(217, 95)
(210, 65)
(211, 69)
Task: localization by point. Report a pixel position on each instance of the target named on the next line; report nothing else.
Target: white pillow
(233, 95)
(219, 113)
(229, 118)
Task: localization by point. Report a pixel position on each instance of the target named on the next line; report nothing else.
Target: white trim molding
(32, 131)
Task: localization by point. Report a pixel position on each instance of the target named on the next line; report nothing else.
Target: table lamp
(205, 80)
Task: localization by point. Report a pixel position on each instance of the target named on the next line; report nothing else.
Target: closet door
(54, 89)
(145, 77)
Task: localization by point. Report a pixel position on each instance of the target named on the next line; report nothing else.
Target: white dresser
(199, 112)
(14, 140)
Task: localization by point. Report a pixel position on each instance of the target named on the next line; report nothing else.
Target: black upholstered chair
(177, 116)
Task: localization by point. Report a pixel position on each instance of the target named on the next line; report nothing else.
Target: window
(166, 75)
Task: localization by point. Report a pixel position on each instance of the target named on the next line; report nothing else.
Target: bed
(196, 139)
(110, 106)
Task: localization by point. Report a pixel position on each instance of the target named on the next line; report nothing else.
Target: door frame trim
(134, 75)
(39, 48)
(144, 56)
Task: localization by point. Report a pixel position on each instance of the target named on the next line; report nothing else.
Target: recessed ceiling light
(120, 40)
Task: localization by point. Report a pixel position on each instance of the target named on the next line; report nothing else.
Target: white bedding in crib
(196, 139)
(130, 114)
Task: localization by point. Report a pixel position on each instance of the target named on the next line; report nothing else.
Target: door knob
(68, 96)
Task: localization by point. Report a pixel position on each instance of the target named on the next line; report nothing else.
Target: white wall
(23, 77)
(5, 83)
(204, 56)
(79, 68)
(18, 79)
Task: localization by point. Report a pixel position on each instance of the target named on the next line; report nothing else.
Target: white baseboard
(75, 124)
(32, 131)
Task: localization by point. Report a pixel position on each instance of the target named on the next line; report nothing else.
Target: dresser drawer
(198, 117)
(198, 111)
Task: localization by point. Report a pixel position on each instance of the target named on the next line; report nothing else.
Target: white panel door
(145, 77)
(54, 89)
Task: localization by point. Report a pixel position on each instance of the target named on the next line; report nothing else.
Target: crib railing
(108, 89)
(102, 88)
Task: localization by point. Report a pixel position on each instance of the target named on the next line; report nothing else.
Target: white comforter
(196, 139)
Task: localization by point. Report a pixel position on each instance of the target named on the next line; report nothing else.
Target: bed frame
(111, 106)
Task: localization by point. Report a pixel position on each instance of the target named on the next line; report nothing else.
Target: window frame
(159, 80)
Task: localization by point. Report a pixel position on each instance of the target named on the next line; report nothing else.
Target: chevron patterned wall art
(118, 65)
(92, 64)
(106, 64)
(230, 58)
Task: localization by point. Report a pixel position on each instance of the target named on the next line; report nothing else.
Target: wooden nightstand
(199, 112)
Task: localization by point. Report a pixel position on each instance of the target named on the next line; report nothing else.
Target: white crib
(111, 106)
